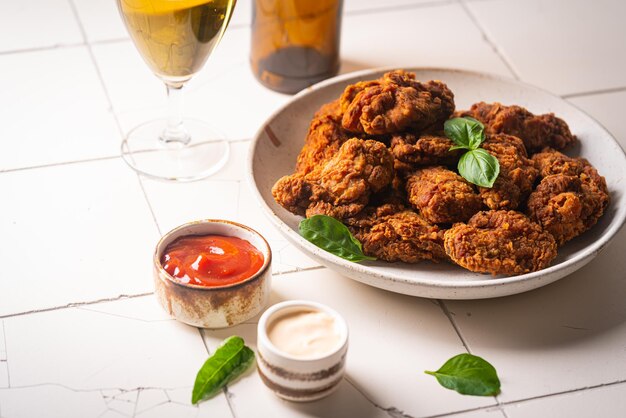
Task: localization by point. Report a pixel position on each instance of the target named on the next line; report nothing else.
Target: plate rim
(587, 253)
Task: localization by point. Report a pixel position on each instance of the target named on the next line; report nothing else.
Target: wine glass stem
(175, 132)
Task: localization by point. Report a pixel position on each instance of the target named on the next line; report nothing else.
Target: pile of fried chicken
(377, 159)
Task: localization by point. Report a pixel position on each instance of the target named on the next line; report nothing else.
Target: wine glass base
(204, 155)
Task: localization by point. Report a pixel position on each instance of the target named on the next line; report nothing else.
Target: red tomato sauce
(211, 260)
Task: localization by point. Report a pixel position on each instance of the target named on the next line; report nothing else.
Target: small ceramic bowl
(293, 378)
(220, 306)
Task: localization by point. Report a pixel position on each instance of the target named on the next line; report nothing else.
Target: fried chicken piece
(324, 138)
(442, 196)
(517, 173)
(394, 103)
(394, 194)
(393, 233)
(500, 242)
(566, 206)
(570, 198)
(371, 215)
(550, 161)
(537, 131)
(420, 150)
(341, 187)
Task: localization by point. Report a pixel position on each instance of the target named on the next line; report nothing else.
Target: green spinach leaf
(228, 362)
(479, 167)
(331, 235)
(468, 375)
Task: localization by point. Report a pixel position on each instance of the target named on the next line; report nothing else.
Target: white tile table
(81, 334)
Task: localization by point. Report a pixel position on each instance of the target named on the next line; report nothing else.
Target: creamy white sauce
(305, 334)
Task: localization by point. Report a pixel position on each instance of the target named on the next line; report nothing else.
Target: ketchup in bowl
(211, 260)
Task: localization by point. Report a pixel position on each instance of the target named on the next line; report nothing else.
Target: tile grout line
(225, 388)
(41, 48)
(487, 39)
(99, 390)
(280, 273)
(462, 411)
(457, 330)
(6, 353)
(136, 402)
(62, 163)
(500, 404)
(97, 68)
(95, 64)
(236, 26)
(565, 392)
(110, 41)
(593, 92)
(238, 210)
(392, 411)
(487, 407)
(448, 315)
(399, 7)
(238, 141)
(76, 305)
(130, 318)
(108, 97)
(109, 157)
(150, 208)
(120, 297)
(530, 399)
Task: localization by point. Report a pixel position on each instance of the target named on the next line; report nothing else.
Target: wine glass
(175, 38)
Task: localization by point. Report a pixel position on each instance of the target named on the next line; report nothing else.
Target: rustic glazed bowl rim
(270, 312)
(156, 259)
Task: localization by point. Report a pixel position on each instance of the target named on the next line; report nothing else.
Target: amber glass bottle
(295, 43)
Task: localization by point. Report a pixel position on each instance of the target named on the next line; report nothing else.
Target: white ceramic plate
(274, 155)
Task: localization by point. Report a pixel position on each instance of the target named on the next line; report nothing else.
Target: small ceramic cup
(293, 378)
(213, 307)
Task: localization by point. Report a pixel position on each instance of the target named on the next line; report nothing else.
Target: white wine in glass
(175, 38)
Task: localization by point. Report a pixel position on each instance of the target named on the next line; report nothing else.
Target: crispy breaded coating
(500, 242)
(324, 138)
(392, 233)
(394, 103)
(371, 215)
(517, 173)
(420, 150)
(537, 131)
(566, 206)
(340, 187)
(550, 161)
(570, 198)
(442, 196)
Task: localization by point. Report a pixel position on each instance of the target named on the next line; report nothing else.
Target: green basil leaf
(466, 132)
(228, 362)
(468, 375)
(479, 167)
(331, 235)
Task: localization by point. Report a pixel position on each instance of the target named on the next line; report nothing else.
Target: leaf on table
(228, 362)
(469, 375)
